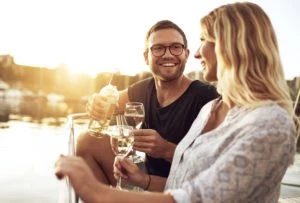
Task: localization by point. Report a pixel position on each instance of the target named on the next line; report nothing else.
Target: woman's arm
(120, 196)
(131, 173)
(91, 191)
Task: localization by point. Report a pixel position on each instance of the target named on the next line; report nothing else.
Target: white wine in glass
(134, 114)
(121, 141)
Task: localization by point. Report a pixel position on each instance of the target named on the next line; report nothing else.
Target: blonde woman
(241, 144)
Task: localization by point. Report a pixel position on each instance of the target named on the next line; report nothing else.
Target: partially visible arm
(150, 142)
(169, 151)
(91, 191)
(103, 193)
(131, 173)
(95, 104)
(157, 183)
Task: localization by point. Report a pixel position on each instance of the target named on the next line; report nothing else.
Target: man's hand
(95, 106)
(150, 142)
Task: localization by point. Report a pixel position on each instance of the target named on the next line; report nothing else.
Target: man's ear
(146, 57)
(187, 53)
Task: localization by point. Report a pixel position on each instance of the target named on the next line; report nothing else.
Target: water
(28, 152)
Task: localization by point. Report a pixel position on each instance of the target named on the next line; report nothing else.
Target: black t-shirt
(173, 121)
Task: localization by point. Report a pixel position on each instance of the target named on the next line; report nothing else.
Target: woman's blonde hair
(250, 72)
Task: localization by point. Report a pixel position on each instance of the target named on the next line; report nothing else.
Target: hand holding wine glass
(109, 98)
(135, 114)
(121, 140)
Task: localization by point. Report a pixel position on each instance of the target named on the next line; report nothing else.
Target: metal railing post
(71, 151)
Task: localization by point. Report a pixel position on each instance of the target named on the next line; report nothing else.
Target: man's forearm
(169, 153)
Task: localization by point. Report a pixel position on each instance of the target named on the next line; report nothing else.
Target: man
(172, 101)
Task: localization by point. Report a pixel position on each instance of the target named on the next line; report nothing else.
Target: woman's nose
(197, 54)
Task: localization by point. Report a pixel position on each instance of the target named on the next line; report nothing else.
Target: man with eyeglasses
(175, 49)
(172, 101)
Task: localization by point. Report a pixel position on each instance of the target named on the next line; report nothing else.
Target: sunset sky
(93, 35)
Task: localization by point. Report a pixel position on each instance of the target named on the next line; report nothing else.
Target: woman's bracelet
(149, 181)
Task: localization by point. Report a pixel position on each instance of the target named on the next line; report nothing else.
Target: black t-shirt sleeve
(138, 91)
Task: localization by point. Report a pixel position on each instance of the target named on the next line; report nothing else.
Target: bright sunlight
(94, 36)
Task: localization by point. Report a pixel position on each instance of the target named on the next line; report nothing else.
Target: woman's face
(206, 54)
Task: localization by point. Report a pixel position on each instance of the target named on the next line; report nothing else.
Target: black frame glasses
(175, 49)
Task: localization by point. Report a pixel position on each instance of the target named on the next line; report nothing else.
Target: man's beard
(168, 77)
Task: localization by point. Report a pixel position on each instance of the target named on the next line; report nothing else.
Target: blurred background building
(38, 92)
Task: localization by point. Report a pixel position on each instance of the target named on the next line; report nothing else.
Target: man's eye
(158, 48)
(177, 46)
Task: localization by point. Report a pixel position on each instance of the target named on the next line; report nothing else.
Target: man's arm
(95, 104)
(169, 151)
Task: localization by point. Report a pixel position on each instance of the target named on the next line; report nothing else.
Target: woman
(241, 144)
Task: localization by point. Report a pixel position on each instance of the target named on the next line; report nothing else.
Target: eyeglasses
(159, 50)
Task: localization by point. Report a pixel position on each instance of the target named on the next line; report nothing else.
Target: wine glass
(121, 141)
(134, 114)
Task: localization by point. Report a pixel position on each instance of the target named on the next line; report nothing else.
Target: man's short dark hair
(164, 24)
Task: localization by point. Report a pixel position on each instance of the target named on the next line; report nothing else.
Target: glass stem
(134, 156)
(119, 181)
(119, 184)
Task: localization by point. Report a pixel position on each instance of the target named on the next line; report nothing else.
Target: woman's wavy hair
(250, 71)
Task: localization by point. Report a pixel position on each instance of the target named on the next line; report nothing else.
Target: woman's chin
(205, 75)
(209, 78)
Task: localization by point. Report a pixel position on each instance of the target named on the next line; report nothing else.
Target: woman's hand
(80, 175)
(130, 172)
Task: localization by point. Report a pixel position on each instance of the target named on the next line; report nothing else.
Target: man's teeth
(168, 64)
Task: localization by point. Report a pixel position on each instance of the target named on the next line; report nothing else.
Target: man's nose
(167, 52)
